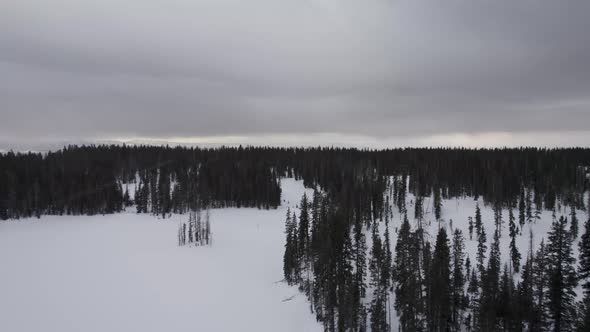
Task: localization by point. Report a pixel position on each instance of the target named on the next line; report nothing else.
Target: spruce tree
(437, 202)
(440, 274)
(498, 219)
(303, 236)
(584, 273)
(521, 209)
(490, 285)
(525, 291)
(478, 221)
(378, 304)
(507, 313)
(290, 261)
(458, 279)
(574, 223)
(584, 256)
(407, 289)
(529, 206)
(538, 320)
(514, 253)
(561, 277)
(481, 250)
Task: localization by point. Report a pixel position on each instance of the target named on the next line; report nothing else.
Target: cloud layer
(384, 70)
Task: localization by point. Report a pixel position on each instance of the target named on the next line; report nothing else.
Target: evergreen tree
(498, 219)
(360, 259)
(440, 274)
(478, 221)
(540, 276)
(303, 236)
(525, 292)
(290, 256)
(407, 290)
(561, 277)
(507, 313)
(529, 206)
(378, 305)
(584, 256)
(574, 223)
(437, 202)
(481, 250)
(418, 209)
(470, 222)
(490, 286)
(458, 279)
(514, 253)
(472, 321)
(521, 209)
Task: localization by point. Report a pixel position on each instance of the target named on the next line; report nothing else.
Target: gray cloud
(86, 70)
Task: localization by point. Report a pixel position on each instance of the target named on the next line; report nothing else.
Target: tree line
(95, 179)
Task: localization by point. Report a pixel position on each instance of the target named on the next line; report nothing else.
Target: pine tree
(584, 273)
(514, 253)
(472, 321)
(303, 236)
(470, 222)
(418, 209)
(561, 277)
(529, 206)
(478, 222)
(539, 273)
(509, 320)
(378, 304)
(359, 248)
(289, 257)
(574, 223)
(584, 256)
(440, 274)
(525, 291)
(437, 202)
(481, 250)
(521, 209)
(498, 219)
(387, 263)
(490, 285)
(458, 278)
(407, 290)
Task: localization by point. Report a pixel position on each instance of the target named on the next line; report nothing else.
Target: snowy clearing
(125, 272)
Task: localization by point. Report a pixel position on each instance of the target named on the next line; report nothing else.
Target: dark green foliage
(561, 276)
(291, 255)
(584, 257)
(440, 301)
(538, 321)
(574, 224)
(514, 253)
(437, 204)
(490, 286)
(458, 279)
(407, 269)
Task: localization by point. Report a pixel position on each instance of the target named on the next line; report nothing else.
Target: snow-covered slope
(125, 272)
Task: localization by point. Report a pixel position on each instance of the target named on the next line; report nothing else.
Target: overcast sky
(288, 72)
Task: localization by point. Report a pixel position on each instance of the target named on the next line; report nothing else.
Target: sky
(372, 73)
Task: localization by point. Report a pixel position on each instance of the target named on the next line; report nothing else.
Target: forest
(338, 245)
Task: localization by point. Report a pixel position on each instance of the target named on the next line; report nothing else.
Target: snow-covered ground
(125, 272)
